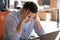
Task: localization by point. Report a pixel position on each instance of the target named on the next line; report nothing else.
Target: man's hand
(24, 16)
(37, 20)
(22, 21)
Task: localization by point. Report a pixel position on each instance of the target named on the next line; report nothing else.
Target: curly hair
(31, 6)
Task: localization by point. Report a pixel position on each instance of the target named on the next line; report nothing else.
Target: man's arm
(14, 28)
(24, 17)
(37, 26)
(19, 27)
(37, 21)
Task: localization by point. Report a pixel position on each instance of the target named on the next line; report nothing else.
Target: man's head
(31, 6)
(32, 9)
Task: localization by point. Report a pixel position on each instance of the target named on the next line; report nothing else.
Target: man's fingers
(26, 12)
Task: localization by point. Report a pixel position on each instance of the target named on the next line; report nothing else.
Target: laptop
(49, 36)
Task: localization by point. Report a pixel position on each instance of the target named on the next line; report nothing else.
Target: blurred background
(48, 11)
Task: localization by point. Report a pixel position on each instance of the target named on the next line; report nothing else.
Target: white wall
(58, 6)
(12, 3)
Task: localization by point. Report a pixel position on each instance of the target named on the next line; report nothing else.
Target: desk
(48, 26)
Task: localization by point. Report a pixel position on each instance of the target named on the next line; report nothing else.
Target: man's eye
(29, 16)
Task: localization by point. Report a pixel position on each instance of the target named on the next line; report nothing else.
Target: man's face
(31, 16)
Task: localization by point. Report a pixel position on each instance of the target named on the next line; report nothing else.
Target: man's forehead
(32, 13)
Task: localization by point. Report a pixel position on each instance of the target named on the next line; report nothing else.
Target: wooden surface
(53, 13)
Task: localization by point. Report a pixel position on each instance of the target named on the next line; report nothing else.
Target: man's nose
(30, 19)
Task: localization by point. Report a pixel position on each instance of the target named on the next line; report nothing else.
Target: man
(19, 24)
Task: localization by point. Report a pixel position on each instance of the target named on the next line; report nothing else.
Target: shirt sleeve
(11, 25)
(36, 30)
